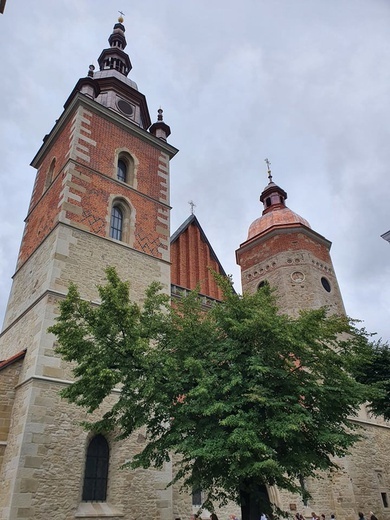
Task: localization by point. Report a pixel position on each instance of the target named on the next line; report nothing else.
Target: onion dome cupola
(275, 212)
(110, 85)
(115, 57)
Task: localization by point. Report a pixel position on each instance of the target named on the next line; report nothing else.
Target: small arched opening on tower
(122, 171)
(125, 168)
(50, 173)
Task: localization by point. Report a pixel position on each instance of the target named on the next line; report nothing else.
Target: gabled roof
(6, 362)
(192, 257)
(193, 220)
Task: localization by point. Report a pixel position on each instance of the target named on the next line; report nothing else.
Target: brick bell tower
(284, 251)
(101, 198)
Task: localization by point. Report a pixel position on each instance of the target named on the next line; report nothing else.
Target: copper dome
(278, 217)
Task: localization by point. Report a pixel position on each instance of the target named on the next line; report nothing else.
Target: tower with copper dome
(283, 250)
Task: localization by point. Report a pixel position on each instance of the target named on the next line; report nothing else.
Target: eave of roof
(13, 359)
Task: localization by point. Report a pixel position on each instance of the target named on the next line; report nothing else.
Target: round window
(125, 107)
(325, 284)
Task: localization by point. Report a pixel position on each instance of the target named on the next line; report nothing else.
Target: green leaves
(244, 395)
(373, 369)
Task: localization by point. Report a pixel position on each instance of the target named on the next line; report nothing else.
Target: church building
(101, 198)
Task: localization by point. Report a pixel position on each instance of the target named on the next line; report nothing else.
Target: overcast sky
(305, 83)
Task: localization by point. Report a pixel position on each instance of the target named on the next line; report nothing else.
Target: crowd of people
(298, 516)
(361, 516)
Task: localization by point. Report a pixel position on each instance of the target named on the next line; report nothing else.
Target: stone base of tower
(43, 465)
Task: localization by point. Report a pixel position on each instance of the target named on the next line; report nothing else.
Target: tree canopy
(374, 370)
(244, 395)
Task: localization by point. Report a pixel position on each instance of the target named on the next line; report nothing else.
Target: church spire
(273, 197)
(115, 57)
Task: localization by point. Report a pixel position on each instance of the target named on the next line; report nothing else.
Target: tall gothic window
(116, 226)
(122, 171)
(96, 470)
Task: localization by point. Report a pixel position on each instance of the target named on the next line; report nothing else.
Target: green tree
(374, 370)
(244, 395)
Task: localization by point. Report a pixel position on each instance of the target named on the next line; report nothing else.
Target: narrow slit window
(122, 171)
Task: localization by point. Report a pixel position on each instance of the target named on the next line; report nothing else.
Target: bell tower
(283, 250)
(101, 198)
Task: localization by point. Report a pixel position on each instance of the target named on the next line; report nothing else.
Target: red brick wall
(99, 182)
(293, 241)
(190, 257)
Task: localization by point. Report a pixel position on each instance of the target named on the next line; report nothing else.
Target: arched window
(122, 170)
(96, 470)
(197, 497)
(125, 168)
(116, 224)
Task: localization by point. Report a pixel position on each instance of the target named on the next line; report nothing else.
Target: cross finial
(193, 205)
(122, 14)
(268, 163)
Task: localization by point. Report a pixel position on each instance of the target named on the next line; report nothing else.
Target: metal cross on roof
(268, 163)
(193, 205)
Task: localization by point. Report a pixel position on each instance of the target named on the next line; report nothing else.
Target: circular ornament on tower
(326, 284)
(297, 277)
(125, 107)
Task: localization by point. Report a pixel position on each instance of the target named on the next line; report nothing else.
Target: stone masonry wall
(67, 255)
(9, 377)
(357, 485)
(296, 275)
(44, 464)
